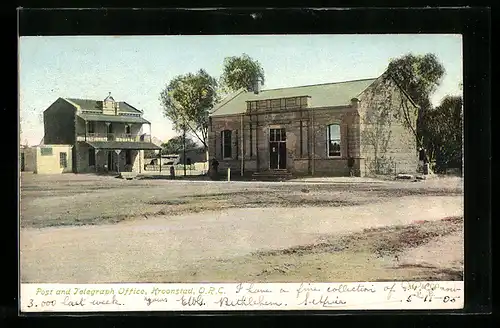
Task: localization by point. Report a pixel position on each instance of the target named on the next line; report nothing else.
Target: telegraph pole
(184, 148)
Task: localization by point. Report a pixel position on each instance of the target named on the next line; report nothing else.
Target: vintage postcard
(241, 172)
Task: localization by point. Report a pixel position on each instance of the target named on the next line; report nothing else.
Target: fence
(193, 169)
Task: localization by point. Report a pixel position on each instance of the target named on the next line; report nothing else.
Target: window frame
(224, 144)
(90, 127)
(63, 158)
(330, 139)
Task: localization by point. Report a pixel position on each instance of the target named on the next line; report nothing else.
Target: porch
(114, 157)
(120, 137)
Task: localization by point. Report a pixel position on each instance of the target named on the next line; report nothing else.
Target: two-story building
(363, 127)
(106, 135)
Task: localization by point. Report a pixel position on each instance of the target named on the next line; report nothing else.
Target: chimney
(355, 102)
(256, 86)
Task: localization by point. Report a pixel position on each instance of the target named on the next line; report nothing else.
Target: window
(91, 127)
(128, 157)
(277, 135)
(226, 144)
(91, 156)
(63, 160)
(46, 151)
(127, 129)
(333, 135)
(110, 128)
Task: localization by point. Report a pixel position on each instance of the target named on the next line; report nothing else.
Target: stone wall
(375, 130)
(388, 143)
(306, 138)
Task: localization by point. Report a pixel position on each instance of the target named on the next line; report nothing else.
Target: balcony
(121, 137)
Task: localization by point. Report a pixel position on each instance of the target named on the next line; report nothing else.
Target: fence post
(228, 174)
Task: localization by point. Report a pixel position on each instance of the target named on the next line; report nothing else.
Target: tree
(241, 72)
(419, 76)
(444, 128)
(187, 101)
(175, 145)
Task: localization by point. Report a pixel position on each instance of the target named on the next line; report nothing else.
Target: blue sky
(136, 68)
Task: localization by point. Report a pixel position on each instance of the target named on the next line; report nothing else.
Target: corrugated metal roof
(90, 104)
(113, 118)
(322, 95)
(123, 145)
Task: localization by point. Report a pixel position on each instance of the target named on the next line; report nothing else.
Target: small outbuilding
(47, 159)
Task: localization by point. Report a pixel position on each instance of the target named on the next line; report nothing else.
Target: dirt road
(130, 251)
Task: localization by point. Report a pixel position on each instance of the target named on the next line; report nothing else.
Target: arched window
(225, 141)
(333, 140)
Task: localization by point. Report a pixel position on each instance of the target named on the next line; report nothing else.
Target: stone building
(104, 135)
(316, 130)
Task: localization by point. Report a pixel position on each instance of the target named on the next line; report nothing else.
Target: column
(118, 151)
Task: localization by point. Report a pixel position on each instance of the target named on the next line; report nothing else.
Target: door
(110, 161)
(277, 149)
(282, 156)
(111, 136)
(274, 155)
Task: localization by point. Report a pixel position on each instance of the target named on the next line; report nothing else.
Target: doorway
(111, 163)
(277, 149)
(110, 133)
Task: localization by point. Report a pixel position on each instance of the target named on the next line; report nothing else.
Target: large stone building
(317, 129)
(104, 135)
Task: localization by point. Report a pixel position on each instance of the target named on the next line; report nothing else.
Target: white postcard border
(411, 295)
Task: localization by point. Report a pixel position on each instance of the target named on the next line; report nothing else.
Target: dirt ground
(94, 229)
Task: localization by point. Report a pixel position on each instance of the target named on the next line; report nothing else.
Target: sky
(136, 68)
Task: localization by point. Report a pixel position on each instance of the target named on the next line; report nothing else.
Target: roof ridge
(81, 99)
(317, 84)
(88, 99)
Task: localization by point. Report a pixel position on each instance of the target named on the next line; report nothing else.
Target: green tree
(419, 76)
(241, 72)
(187, 101)
(176, 144)
(444, 128)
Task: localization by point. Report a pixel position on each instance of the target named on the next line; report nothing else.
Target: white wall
(50, 164)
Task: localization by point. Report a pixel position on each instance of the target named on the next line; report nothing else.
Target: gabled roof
(321, 95)
(109, 98)
(90, 104)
